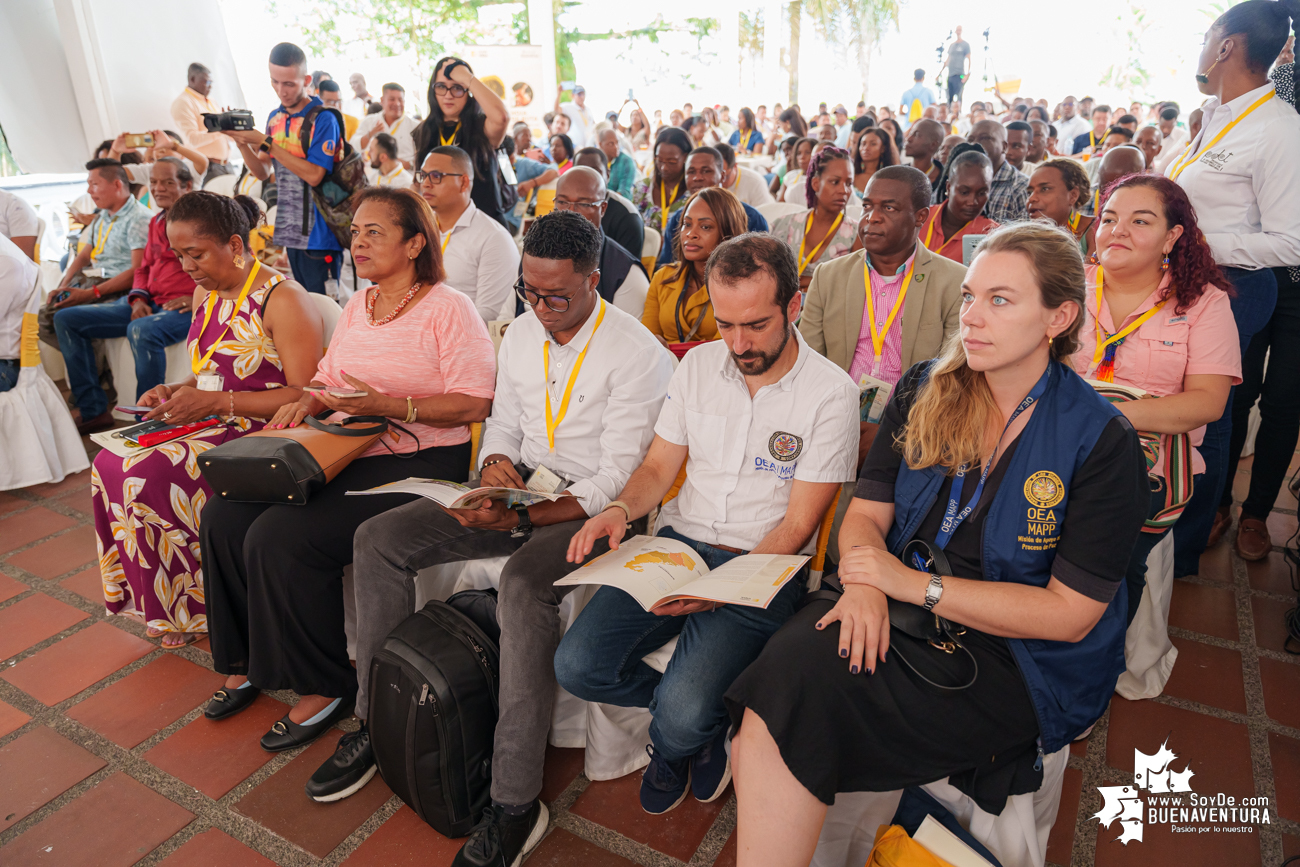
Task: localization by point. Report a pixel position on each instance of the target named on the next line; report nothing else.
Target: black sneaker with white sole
(345, 772)
(500, 840)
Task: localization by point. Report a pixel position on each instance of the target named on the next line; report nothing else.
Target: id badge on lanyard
(210, 380)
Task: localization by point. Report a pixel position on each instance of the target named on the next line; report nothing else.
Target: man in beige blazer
(895, 206)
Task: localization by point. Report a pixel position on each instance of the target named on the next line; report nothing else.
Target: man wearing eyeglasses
(1070, 125)
(579, 386)
(623, 281)
(705, 167)
(478, 254)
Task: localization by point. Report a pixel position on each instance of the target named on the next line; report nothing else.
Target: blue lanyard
(951, 518)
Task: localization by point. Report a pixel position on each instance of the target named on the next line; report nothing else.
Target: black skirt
(841, 732)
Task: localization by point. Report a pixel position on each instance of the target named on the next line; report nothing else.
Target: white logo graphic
(1179, 806)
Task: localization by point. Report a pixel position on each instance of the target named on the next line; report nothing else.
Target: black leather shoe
(228, 702)
(287, 734)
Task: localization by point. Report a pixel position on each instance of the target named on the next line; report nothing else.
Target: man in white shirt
(19, 223)
(359, 105)
(187, 112)
(392, 120)
(1070, 125)
(581, 123)
(579, 384)
(768, 430)
(1173, 138)
(17, 280)
(747, 185)
(1241, 176)
(478, 254)
(383, 159)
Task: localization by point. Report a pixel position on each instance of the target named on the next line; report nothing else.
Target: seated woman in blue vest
(1000, 459)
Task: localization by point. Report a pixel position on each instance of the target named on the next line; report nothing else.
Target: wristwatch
(265, 146)
(933, 592)
(525, 528)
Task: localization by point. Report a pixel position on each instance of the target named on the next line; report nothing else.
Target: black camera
(223, 121)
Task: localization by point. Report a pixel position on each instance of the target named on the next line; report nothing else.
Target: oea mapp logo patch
(785, 446)
(1044, 489)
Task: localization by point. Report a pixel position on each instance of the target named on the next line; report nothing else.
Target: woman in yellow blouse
(677, 305)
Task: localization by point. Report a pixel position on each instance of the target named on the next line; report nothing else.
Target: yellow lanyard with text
(803, 245)
(554, 422)
(101, 237)
(1100, 350)
(449, 141)
(202, 363)
(929, 235)
(1183, 161)
(744, 140)
(878, 335)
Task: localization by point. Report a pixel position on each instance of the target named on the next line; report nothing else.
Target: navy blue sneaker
(711, 769)
(664, 783)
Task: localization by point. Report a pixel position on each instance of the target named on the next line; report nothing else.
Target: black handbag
(289, 466)
(913, 620)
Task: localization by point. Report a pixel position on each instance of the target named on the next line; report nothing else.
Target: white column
(541, 32)
(86, 69)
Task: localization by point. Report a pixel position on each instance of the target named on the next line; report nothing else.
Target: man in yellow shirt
(187, 111)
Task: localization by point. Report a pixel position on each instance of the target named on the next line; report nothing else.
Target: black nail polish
(853, 669)
(871, 671)
(844, 653)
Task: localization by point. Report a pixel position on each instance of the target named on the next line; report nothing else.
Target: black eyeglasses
(558, 303)
(457, 90)
(436, 177)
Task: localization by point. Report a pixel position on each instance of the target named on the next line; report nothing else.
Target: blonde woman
(1002, 464)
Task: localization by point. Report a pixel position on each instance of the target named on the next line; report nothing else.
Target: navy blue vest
(1070, 684)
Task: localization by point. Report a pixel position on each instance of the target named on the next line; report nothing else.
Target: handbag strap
(378, 424)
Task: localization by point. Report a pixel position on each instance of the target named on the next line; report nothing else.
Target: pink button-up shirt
(884, 292)
(1167, 347)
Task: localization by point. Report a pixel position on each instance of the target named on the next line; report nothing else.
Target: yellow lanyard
(449, 141)
(744, 140)
(388, 178)
(929, 235)
(803, 245)
(101, 236)
(878, 337)
(553, 423)
(207, 317)
(446, 236)
(1075, 219)
(1099, 352)
(1096, 204)
(663, 200)
(1183, 161)
(399, 123)
(564, 166)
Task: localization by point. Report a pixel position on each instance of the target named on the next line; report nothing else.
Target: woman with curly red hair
(1158, 319)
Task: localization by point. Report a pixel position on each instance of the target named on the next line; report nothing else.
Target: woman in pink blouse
(1159, 319)
(411, 349)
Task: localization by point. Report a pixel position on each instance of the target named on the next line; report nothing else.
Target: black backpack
(433, 709)
(334, 197)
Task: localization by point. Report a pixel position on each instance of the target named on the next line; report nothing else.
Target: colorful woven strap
(1177, 450)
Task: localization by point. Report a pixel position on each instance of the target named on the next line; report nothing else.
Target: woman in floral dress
(256, 339)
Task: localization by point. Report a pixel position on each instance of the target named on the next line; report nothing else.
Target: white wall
(76, 72)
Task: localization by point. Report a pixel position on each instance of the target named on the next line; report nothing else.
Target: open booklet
(655, 570)
(455, 496)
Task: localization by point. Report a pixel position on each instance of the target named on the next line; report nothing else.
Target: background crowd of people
(709, 283)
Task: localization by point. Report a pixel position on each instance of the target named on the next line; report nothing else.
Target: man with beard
(383, 159)
(766, 428)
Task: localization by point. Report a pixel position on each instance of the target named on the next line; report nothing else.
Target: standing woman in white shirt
(1241, 174)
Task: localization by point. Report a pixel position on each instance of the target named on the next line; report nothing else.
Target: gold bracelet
(410, 410)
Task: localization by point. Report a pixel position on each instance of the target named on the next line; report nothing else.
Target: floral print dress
(147, 506)
(651, 214)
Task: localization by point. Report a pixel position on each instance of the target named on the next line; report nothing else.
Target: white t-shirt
(482, 261)
(401, 130)
(751, 188)
(17, 278)
(17, 218)
(745, 452)
(580, 122)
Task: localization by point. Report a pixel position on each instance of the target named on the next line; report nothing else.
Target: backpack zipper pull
(1038, 764)
(424, 693)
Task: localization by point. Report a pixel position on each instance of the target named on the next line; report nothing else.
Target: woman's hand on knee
(863, 615)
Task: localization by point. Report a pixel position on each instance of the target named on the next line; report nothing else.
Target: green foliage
(854, 25)
(1128, 74)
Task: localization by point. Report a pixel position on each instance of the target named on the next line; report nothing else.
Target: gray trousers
(390, 549)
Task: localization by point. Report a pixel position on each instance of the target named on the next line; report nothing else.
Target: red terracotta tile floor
(106, 759)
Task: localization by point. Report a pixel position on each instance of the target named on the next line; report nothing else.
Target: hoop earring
(1164, 266)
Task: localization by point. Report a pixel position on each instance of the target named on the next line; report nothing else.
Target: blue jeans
(149, 336)
(8, 373)
(312, 268)
(1252, 308)
(600, 658)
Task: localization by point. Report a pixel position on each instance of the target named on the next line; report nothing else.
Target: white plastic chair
(222, 184)
(330, 312)
(41, 443)
(650, 249)
(772, 211)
